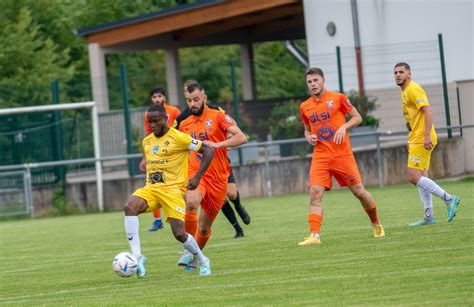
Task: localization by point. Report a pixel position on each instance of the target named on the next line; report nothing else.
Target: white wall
(384, 22)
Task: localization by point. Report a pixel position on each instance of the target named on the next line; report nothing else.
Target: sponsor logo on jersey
(319, 117)
(415, 159)
(420, 101)
(228, 119)
(325, 133)
(179, 209)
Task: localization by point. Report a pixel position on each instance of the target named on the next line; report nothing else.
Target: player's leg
(193, 200)
(426, 198)
(315, 216)
(320, 180)
(157, 222)
(230, 215)
(134, 206)
(234, 197)
(189, 244)
(418, 161)
(368, 203)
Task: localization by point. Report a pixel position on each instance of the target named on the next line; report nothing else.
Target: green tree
(28, 62)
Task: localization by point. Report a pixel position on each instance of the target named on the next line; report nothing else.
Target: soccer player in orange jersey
(325, 127)
(212, 127)
(158, 96)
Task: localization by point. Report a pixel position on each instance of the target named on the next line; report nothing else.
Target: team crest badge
(330, 103)
(208, 123)
(155, 149)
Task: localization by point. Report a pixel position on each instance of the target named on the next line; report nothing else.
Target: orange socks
(315, 221)
(157, 214)
(372, 213)
(202, 240)
(191, 223)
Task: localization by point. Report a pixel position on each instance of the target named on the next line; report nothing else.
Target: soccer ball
(125, 264)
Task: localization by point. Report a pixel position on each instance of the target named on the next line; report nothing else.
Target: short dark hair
(194, 86)
(159, 90)
(402, 64)
(157, 108)
(314, 71)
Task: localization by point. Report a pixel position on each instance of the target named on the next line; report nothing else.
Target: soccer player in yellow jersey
(165, 151)
(422, 139)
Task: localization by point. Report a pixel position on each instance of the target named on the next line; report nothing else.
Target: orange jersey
(324, 117)
(212, 125)
(171, 113)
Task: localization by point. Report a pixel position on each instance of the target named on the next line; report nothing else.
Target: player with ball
(166, 154)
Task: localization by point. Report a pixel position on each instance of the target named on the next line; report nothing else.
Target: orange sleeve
(304, 119)
(147, 124)
(225, 121)
(346, 105)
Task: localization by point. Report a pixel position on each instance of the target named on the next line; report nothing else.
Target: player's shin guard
(315, 221)
(191, 223)
(372, 213)
(157, 214)
(202, 239)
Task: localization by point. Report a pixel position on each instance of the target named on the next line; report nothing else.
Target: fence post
(339, 69)
(267, 170)
(57, 132)
(126, 116)
(380, 164)
(445, 84)
(235, 101)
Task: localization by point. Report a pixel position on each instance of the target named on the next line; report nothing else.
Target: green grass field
(68, 260)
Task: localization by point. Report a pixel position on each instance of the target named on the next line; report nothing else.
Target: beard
(198, 111)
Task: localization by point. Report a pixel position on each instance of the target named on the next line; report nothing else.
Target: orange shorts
(213, 195)
(343, 168)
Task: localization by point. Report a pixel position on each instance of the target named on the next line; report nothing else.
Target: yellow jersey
(413, 98)
(167, 159)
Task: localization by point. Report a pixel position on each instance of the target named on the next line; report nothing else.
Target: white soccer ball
(125, 264)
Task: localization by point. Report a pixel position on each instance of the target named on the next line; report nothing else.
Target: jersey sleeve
(225, 121)
(186, 142)
(303, 117)
(147, 124)
(345, 103)
(418, 96)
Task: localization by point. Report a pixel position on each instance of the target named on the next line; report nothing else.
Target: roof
(206, 22)
(137, 19)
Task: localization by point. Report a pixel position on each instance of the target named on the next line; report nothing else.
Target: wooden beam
(187, 19)
(261, 17)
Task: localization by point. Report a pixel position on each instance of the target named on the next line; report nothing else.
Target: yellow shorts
(419, 157)
(172, 202)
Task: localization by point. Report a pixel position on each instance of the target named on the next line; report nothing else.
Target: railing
(267, 157)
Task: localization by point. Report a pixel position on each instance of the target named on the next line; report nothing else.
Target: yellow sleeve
(418, 96)
(186, 142)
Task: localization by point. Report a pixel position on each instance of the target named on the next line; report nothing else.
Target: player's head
(402, 74)
(315, 81)
(195, 98)
(189, 82)
(158, 95)
(157, 119)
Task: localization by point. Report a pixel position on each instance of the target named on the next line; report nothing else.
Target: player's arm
(310, 137)
(354, 120)
(237, 137)
(427, 142)
(207, 155)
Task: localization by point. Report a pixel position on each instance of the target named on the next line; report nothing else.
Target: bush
(284, 121)
(365, 105)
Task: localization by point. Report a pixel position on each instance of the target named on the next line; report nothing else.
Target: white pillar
(246, 58)
(175, 91)
(466, 101)
(98, 71)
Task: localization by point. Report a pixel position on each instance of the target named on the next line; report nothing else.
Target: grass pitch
(68, 260)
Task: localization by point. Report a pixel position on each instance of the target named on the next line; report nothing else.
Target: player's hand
(427, 142)
(143, 164)
(212, 144)
(193, 183)
(340, 135)
(312, 139)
